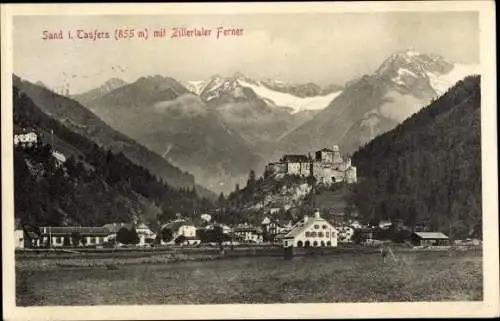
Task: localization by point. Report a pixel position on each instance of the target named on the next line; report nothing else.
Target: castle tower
(336, 154)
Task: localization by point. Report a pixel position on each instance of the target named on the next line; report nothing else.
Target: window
(320, 234)
(322, 243)
(327, 234)
(316, 227)
(286, 243)
(324, 227)
(299, 244)
(313, 234)
(328, 243)
(308, 234)
(315, 244)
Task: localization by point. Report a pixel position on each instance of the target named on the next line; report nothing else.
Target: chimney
(306, 218)
(316, 214)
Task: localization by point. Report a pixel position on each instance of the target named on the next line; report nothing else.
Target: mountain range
(220, 128)
(427, 170)
(65, 178)
(82, 121)
(373, 104)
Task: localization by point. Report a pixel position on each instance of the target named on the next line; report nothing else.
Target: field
(211, 279)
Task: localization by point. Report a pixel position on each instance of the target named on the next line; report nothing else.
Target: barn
(429, 239)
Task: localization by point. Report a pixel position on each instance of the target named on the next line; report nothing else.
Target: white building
(312, 232)
(66, 236)
(248, 234)
(19, 238)
(26, 139)
(184, 228)
(206, 217)
(59, 157)
(146, 236)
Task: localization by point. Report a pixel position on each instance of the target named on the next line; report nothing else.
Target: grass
(419, 276)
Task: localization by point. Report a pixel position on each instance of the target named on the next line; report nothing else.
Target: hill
(427, 170)
(108, 86)
(93, 186)
(82, 121)
(164, 116)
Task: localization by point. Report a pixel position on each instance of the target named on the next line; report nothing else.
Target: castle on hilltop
(327, 167)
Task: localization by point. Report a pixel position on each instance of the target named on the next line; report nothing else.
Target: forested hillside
(93, 187)
(427, 171)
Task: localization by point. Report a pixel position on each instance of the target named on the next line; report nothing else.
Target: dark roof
(65, 230)
(326, 150)
(295, 158)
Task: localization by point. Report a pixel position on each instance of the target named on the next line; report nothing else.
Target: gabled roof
(301, 226)
(431, 235)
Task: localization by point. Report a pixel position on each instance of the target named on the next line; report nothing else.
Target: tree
(76, 237)
(167, 235)
(180, 239)
(134, 237)
(127, 236)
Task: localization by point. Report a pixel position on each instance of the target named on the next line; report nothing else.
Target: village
(327, 166)
(309, 232)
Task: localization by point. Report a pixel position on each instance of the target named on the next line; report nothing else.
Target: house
(277, 226)
(225, 228)
(312, 232)
(26, 138)
(384, 224)
(248, 234)
(18, 235)
(184, 228)
(72, 236)
(206, 217)
(429, 239)
(346, 234)
(364, 235)
(146, 236)
(265, 222)
(355, 225)
(59, 157)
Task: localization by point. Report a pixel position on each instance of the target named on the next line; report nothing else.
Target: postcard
(264, 160)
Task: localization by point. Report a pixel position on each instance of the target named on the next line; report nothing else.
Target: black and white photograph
(224, 155)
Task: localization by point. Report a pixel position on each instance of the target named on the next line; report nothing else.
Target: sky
(324, 48)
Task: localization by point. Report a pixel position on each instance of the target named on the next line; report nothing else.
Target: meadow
(348, 277)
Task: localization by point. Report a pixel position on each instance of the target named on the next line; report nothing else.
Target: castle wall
(328, 167)
(277, 168)
(337, 159)
(305, 169)
(293, 168)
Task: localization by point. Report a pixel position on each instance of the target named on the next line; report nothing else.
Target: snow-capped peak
(196, 86)
(288, 100)
(408, 67)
